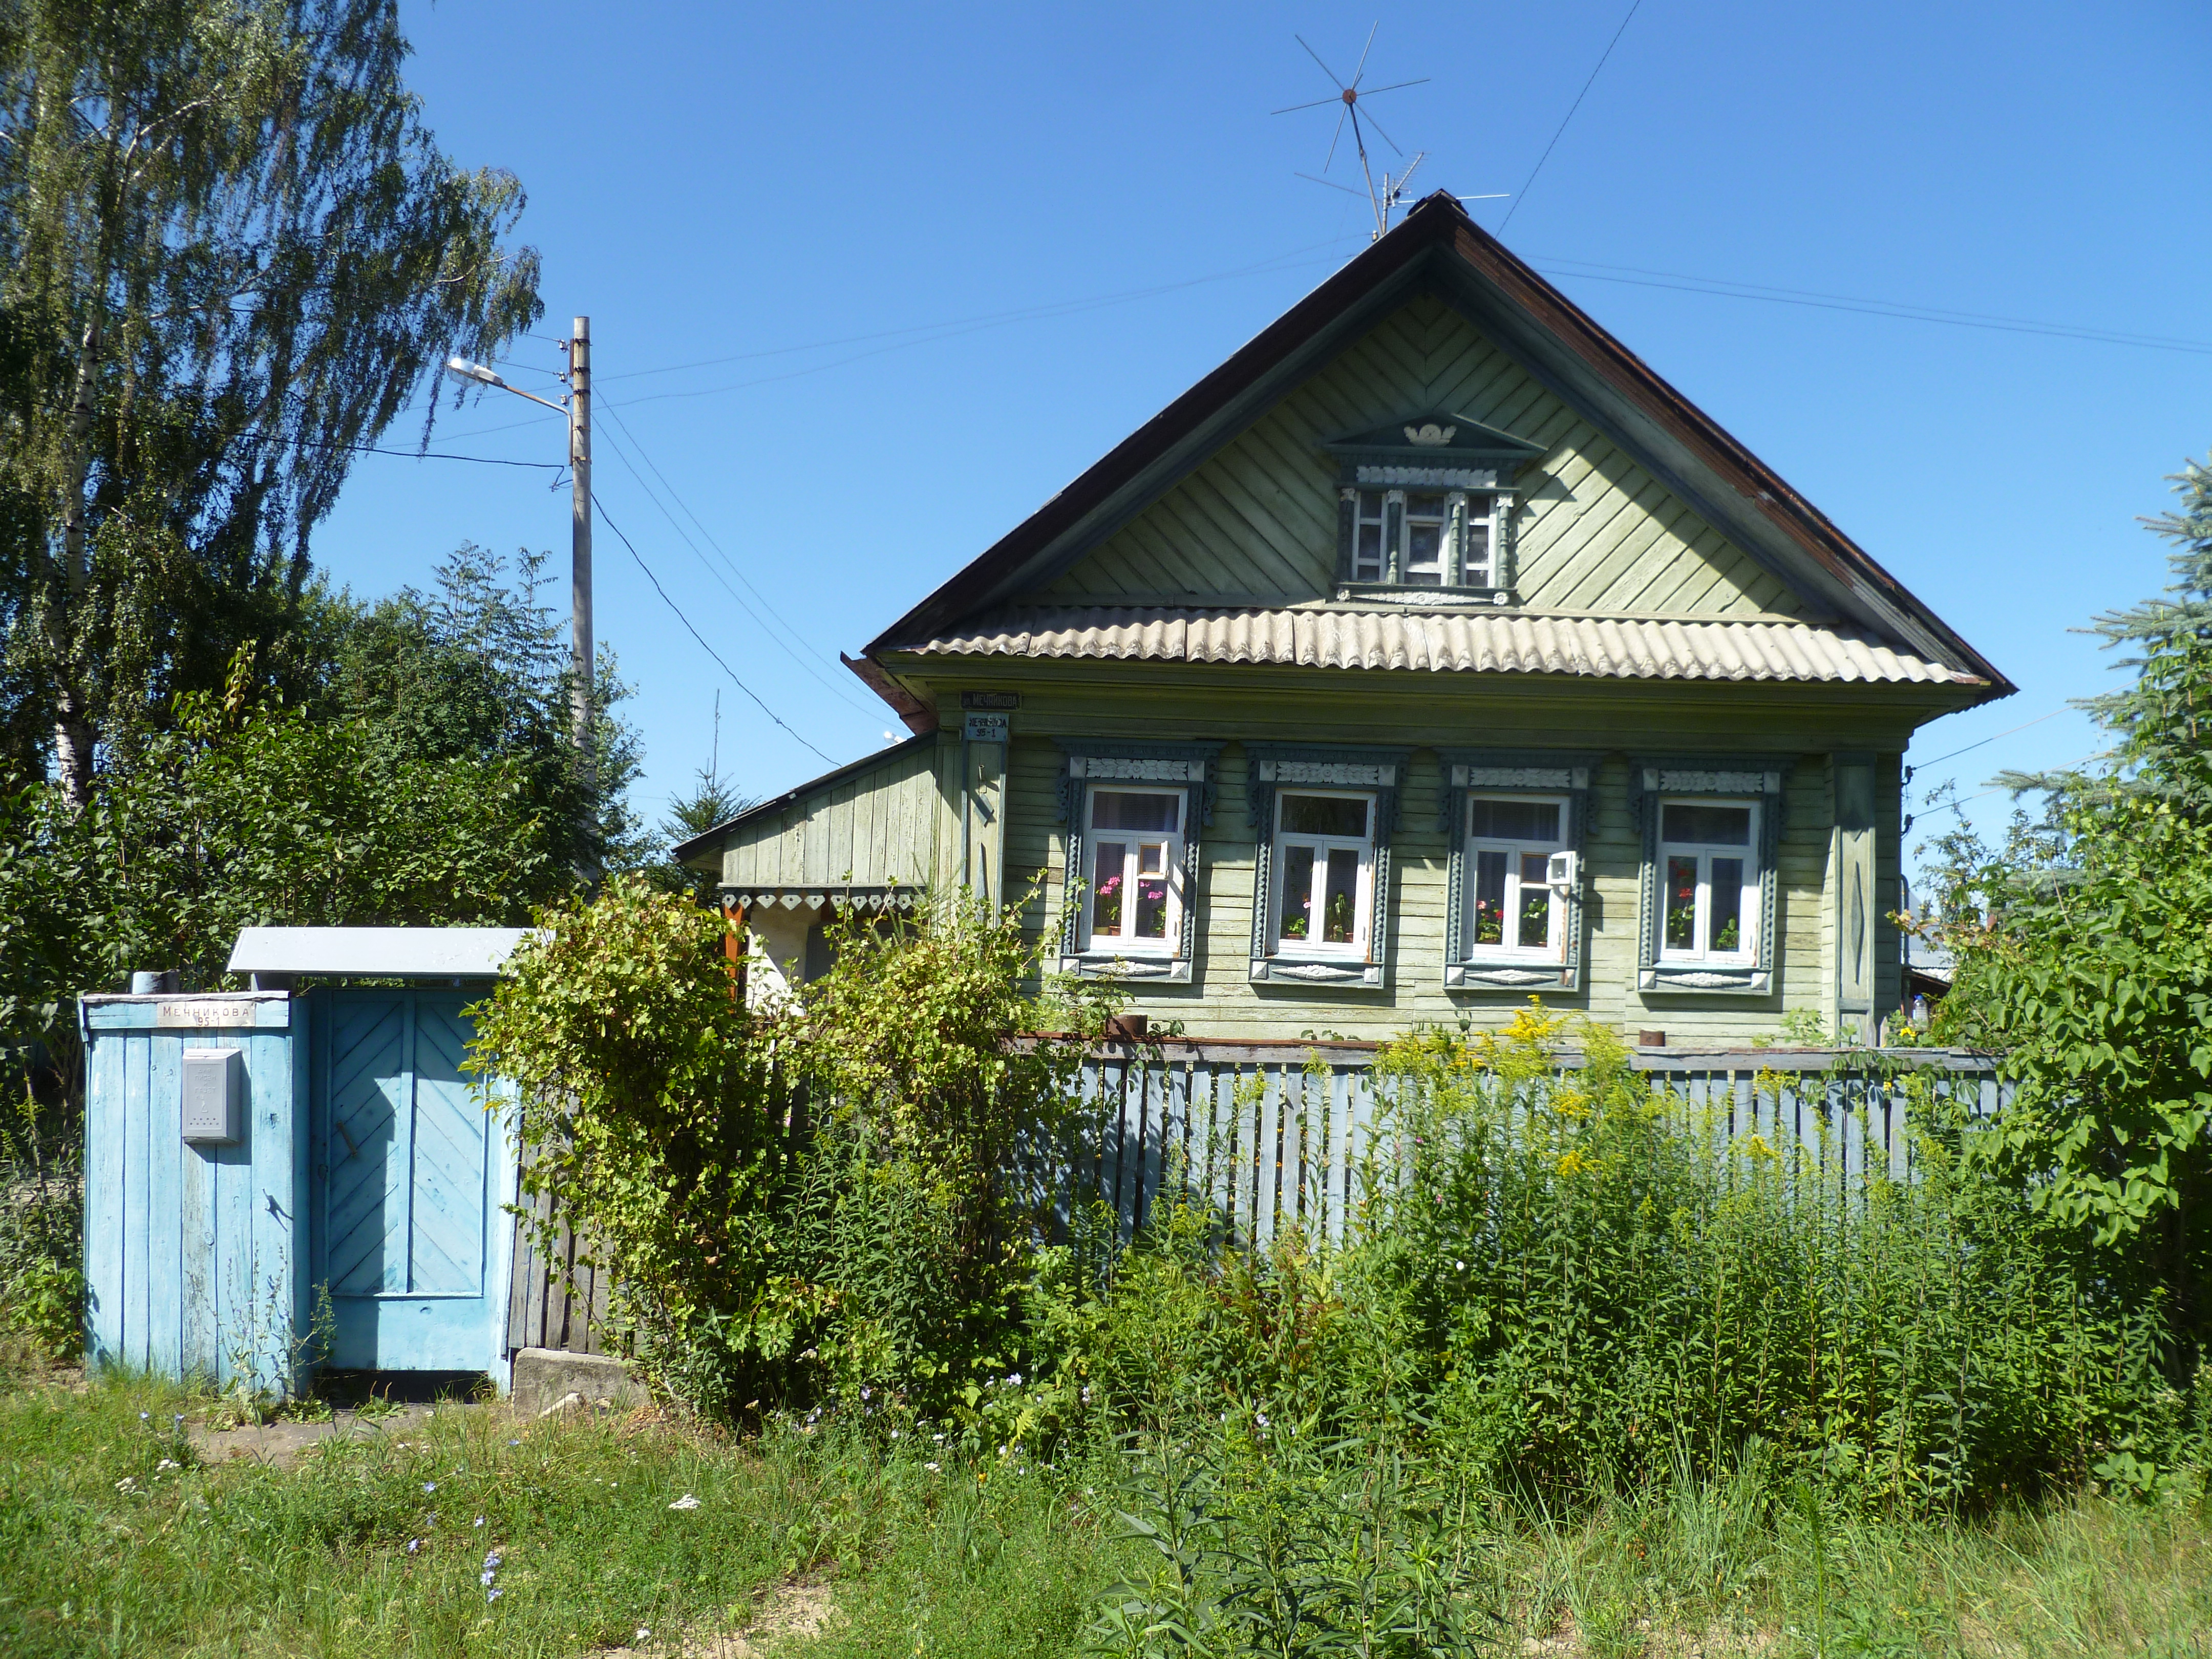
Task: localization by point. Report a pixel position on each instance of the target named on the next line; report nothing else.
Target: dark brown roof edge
(1713, 445)
(1437, 222)
(919, 716)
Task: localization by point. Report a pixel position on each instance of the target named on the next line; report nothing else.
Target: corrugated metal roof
(1458, 642)
(376, 953)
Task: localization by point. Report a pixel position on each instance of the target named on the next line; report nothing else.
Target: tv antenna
(1382, 200)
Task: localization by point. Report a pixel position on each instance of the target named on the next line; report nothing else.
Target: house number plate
(201, 1016)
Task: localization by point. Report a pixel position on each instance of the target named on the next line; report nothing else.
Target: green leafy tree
(233, 255)
(477, 669)
(2085, 950)
(711, 800)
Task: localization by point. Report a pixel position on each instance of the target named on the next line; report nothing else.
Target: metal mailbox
(213, 1081)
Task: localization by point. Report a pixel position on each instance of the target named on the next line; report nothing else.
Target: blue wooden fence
(1271, 1133)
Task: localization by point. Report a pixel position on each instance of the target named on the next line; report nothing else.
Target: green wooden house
(1429, 654)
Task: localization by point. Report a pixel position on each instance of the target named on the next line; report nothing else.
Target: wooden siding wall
(1223, 1003)
(876, 827)
(1258, 520)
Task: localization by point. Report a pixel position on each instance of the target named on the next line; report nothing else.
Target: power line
(1923, 765)
(1911, 819)
(602, 509)
(990, 319)
(759, 599)
(1730, 290)
(426, 454)
(1577, 104)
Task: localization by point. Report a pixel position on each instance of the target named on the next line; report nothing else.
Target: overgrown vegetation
(810, 1199)
(2084, 951)
(1562, 1296)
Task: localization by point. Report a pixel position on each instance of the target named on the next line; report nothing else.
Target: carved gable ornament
(1438, 448)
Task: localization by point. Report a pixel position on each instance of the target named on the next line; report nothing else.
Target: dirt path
(790, 1612)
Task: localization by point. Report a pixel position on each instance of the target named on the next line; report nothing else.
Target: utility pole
(579, 538)
(578, 408)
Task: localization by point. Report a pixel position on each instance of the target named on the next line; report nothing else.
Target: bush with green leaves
(651, 1116)
(1565, 1282)
(2084, 951)
(1585, 1281)
(834, 1193)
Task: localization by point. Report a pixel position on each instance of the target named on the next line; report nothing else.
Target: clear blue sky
(814, 193)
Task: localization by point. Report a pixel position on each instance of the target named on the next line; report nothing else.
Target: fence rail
(1270, 1134)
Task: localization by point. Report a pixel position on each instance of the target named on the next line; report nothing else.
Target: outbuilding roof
(1465, 641)
(376, 953)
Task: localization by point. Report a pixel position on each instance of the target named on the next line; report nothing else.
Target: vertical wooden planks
(104, 1130)
(202, 1355)
(137, 1222)
(249, 1318)
(271, 1210)
(165, 1153)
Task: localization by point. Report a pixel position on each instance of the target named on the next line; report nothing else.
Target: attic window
(1427, 510)
(1424, 538)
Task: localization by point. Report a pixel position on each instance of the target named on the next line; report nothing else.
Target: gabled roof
(1438, 249)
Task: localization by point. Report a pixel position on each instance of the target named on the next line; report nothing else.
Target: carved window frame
(1270, 767)
(1758, 778)
(1474, 497)
(1189, 767)
(1470, 772)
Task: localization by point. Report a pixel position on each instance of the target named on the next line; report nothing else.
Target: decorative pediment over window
(1435, 447)
(1425, 510)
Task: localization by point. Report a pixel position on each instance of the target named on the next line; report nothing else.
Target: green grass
(242, 1559)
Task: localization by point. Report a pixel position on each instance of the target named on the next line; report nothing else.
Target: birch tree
(234, 255)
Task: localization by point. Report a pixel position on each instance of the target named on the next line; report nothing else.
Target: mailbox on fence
(282, 1178)
(213, 1081)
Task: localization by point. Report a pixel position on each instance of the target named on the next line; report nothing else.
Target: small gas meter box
(215, 1089)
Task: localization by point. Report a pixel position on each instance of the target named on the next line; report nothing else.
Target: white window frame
(1358, 948)
(1478, 512)
(1559, 919)
(1750, 919)
(1467, 516)
(1125, 943)
(1379, 521)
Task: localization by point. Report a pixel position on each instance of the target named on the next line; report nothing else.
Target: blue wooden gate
(409, 1171)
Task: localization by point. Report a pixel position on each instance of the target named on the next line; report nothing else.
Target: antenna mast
(1383, 200)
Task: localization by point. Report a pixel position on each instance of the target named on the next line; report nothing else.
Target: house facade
(1429, 654)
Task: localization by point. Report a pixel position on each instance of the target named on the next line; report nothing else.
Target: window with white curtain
(1325, 862)
(1512, 909)
(1709, 881)
(1134, 903)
